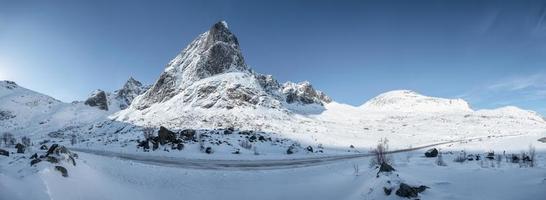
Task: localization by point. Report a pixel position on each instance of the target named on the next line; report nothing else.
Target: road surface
(240, 164)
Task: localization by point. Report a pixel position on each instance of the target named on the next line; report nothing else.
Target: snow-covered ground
(98, 177)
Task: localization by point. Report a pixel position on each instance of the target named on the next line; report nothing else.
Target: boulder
(144, 144)
(542, 140)
(35, 161)
(384, 167)
(309, 149)
(63, 170)
(43, 147)
(409, 191)
(188, 134)
(387, 191)
(98, 99)
(4, 152)
(208, 150)
(292, 149)
(51, 149)
(431, 153)
(165, 135)
(34, 156)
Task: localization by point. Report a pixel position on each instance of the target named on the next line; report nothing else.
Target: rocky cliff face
(97, 99)
(211, 53)
(211, 72)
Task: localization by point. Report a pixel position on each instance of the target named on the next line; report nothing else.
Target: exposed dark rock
(490, 156)
(20, 148)
(431, 153)
(144, 144)
(515, 159)
(309, 149)
(387, 191)
(98, 99)
(252, 138)
(409, 191)
(303, 93)
(165, 135)
(291, 149)
(63, 170)
(179, 146)
(52, 159)
(43, 147)
(5, 115)
(542, 140)
(208, 150)
(51, 149)
(4, 152)
(188, 134)
(34, 156)
(384, 167)
(35, 161)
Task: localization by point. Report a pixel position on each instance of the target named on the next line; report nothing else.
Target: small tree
(356, 169)
(380, 153)
(532, 156)
(73, 139)
(440, 160)
(26, 141)
(8, 139)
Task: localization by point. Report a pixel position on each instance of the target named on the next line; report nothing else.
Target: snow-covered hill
(410, 101)
(25, 112)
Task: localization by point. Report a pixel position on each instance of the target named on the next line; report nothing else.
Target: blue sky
(490, 53)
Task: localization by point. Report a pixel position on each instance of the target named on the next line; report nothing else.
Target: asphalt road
(240, 164)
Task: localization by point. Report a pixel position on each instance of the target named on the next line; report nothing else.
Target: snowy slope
(410, 101)
(26, 112)
(204, 88)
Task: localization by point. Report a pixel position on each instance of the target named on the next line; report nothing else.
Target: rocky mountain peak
(211, 53)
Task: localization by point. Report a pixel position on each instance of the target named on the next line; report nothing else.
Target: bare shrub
(245, 144)
(7, 138)
(440, 160)
(73, 139)
(380, 153)
(26, 141)
(356, 169)
(148, 133)
(461, 157)
(532, 156)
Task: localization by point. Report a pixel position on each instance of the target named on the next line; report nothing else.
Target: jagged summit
(211, 53)
(411, 101)
(211, 72)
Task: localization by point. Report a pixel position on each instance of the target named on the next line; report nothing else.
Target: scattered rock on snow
(385, 168)
(63, 170)
(165, 135)
(431, 153)
(4, 152)
(409, 191)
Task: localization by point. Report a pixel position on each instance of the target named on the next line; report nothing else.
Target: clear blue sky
(491, 53)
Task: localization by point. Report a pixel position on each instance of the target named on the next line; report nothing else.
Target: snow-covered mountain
(119, 99)
(211, 73)
(25, 112)
(410, 101)
(209, 86)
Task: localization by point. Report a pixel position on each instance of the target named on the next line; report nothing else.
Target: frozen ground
(102, 177)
